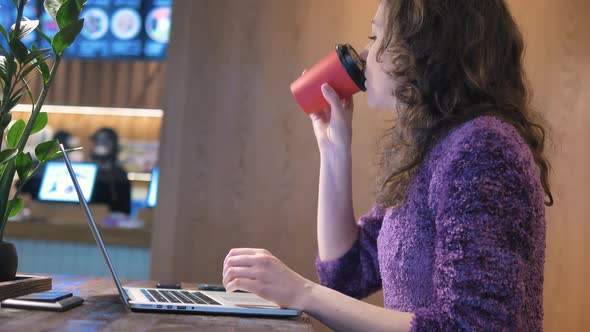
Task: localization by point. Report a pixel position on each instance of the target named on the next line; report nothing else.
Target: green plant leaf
(15, 205)
(46, 150)
(52, 7)
(6, 155)
(66, 36)
(5, 91)
(43, 68)
(11, 66)
(21, 89)
(43, 35)
(67, 14)
(30, 93)
(4, 121)
(15, 100)
(33, 66)
(37, 54)
(19, 50)
(40, 122)
(15, 132)
(41, 63)
(4, 33)
(59, 154)
(74, 149)
(27, 70)
(3, 69)
(2, 168)
(24, 165)
(32, 59)
(81, 4)
(26, 27)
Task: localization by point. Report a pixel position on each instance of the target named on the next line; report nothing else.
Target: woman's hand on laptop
(259, 272)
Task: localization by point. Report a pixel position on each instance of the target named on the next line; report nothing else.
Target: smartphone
(215, 288)
(169, 285)
(49, 296)
(60, 305)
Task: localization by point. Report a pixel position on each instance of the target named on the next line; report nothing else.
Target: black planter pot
(8, 261)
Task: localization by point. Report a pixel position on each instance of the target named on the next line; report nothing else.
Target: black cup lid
(353, 64)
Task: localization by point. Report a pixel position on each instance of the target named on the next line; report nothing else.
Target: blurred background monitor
(57, 186)
(152, 197)
(113, 29)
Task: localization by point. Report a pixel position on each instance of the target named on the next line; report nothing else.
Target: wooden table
(103, 311)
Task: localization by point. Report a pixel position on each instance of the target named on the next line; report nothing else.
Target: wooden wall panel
(129, 84)
(240, 163)
(558, 63)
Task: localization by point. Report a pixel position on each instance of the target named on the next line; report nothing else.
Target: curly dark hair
(453, 60)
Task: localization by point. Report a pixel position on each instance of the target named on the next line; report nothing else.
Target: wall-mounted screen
(113, 29)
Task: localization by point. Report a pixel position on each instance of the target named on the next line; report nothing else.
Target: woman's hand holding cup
(330, 105)
(333, 125)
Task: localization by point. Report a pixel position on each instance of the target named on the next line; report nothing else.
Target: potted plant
(17, 64)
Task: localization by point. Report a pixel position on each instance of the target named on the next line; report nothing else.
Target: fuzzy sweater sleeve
(356, 273)
(482, 193)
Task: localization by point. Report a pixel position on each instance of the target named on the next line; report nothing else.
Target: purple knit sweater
(466, 250)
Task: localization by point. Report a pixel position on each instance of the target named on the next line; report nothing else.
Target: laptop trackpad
(245, 300)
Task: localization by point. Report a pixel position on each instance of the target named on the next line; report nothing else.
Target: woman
(456, 238)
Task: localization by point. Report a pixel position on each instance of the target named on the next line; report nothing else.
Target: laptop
(152, 196)
(175, 300)
(57, 186)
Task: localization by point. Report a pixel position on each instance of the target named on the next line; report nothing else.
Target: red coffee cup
(343, 69)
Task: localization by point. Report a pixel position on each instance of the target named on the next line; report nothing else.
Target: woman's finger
(242, 260)
(238, 272)
(248, 285)
(243, 251)
(239, 252)
(331, 96)
(315, 116)
(349, 103)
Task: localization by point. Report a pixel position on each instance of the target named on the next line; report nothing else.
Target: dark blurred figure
(112, 185)
(65, 138)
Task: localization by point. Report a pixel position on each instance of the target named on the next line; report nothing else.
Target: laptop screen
(152, 197)
(57, 186)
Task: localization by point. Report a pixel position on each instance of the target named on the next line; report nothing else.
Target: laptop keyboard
(178, 296)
